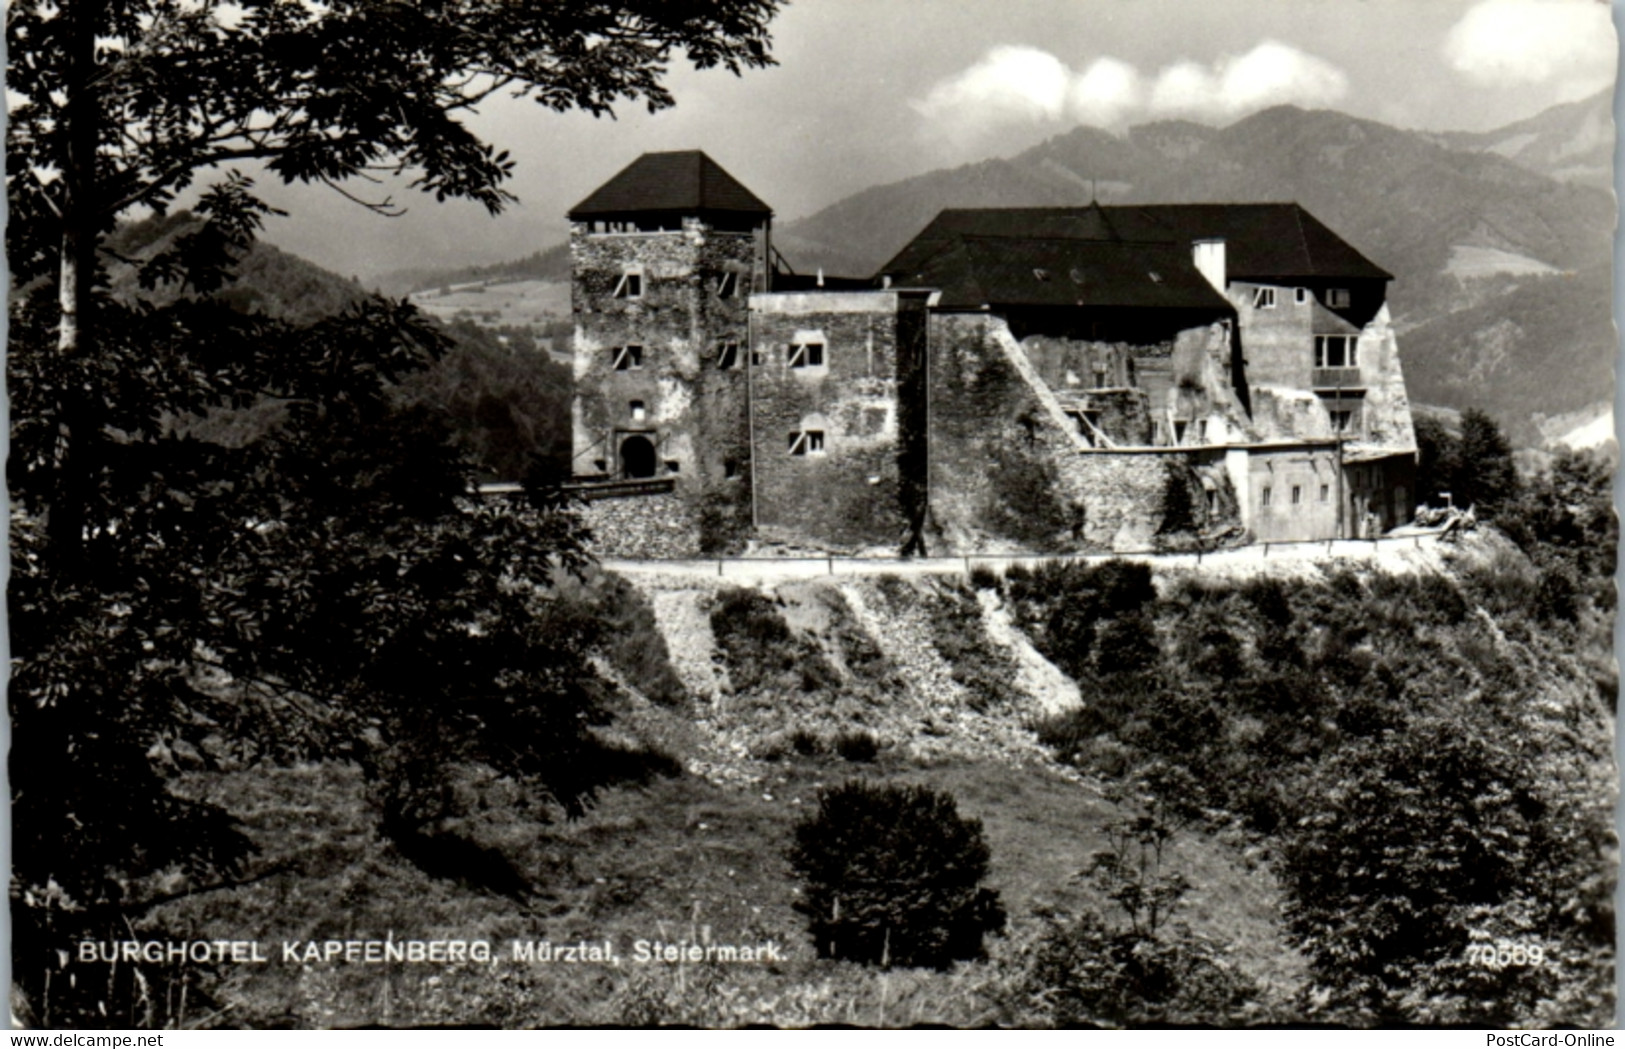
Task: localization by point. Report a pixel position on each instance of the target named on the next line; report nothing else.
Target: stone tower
(664, 257)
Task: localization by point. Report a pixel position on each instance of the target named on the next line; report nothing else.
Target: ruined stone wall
(693, 302)
(644, 526)
(1386, 413)
(1005, 476)
(848, 494)
(1172, 391)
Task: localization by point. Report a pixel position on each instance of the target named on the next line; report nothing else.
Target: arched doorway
(637, 457)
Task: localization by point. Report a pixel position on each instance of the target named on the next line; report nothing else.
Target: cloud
(1511, 42)
(1270, 74)
(1106, 92)
(1011, 85)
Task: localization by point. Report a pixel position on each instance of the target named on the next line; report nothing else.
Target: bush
(891, 877)
(857, 746)
(983, 578)
(1146, 968)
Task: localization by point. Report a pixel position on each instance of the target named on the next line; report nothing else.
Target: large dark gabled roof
(1266, 242)
(686, 182)
(973, 271)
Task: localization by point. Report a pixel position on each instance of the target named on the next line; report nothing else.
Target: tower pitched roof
(685, 181)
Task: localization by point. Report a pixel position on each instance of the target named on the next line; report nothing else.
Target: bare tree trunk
(77, 278)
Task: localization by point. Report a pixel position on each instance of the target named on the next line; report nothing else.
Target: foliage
(1086, 618)
(323, 590)
(857, 746)
(321, 585)
(1564, 520)
(1145, 968)
(509, 403)
(1025, 500)
(891, 876)
(1420, 752)
(1475, 467)
(1177, 518)
(1415, 844)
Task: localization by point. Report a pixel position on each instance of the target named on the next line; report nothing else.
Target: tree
(1485, 476)
(892, 875)
(328, 588)
(1405, 851)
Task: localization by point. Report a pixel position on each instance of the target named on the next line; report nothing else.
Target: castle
(1015, 379)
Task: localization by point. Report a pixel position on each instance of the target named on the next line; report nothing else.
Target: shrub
(983, 578)
(1146, 968)
(806, 743)
(857, 746)
(891, 877)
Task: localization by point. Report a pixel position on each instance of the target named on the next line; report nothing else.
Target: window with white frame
(1263, 298)
(727, 355)
(806, 350)
(626, 358)
(1301, 296)
(630, 286)
(1337, 351)
(806, 442)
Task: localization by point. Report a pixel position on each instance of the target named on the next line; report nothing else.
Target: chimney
(1208, 257)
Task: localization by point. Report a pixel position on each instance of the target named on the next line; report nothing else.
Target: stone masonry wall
(643, 526)
(848, 494)
(1005, 477)
(693, 398)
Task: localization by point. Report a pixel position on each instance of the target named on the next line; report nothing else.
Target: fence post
(719, 568)
(1266, 549)
(831, 564)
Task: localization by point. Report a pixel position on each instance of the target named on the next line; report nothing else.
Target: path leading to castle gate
(1412, 550)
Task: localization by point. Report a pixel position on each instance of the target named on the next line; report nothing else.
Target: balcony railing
(1333, 378)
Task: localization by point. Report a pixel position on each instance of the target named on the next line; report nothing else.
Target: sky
(871, 91)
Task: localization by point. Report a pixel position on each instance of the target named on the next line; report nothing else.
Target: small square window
(626, 358)
(807, 442)
(1325, 493)
(1297, 494)
(806, 355)
(630, 286)
(1264, 496)
(673, 466)
(727, 355)
(730, 468)
(1337, 298)
(1263, 298)
(1301, 296)
(638, 412)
